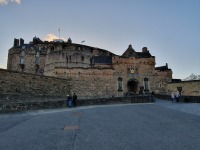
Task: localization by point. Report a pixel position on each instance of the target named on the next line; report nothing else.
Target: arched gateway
(132, 85)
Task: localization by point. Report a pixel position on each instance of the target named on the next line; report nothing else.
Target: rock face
(93, 72)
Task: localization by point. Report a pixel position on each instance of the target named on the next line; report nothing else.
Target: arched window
(119, 83)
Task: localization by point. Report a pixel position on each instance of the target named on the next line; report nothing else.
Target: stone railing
(26, 102)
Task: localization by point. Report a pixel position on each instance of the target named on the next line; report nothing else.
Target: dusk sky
(169, 28)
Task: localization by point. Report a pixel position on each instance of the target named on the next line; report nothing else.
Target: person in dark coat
(74, 99)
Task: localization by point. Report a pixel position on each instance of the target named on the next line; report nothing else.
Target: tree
(192, 77)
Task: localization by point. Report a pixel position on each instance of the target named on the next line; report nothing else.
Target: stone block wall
(189, 88)
(16, 83)
(29, 64)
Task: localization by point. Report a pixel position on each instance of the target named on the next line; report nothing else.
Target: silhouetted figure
(74, 99)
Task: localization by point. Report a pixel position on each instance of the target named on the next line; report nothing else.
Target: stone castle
(93, 72)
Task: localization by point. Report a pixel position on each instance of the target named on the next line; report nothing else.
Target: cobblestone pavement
(192, 108)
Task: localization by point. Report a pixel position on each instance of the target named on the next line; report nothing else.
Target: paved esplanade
(116, 127)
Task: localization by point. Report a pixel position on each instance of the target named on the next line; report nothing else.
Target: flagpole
(59, 33)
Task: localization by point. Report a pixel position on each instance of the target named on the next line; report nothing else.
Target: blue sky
(169, 28)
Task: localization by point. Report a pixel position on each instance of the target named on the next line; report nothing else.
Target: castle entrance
(132, 85)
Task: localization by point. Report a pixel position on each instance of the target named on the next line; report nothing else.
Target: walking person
(177, 94)
(173, 97)
(74, 99)
(69, 100)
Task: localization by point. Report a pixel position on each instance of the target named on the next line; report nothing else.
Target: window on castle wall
(37, 60)
(22, 53)
(22, 61)
(119, 84)
(82, 58)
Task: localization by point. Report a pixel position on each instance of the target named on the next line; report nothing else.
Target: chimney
(144, 50)
(16, 42)
(21, 41)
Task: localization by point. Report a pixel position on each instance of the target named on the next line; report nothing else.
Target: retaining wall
(45, 102)
(185, 98)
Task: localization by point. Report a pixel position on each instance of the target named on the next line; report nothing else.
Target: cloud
(5, 2)
(51, 37)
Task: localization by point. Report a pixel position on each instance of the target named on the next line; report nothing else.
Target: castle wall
(14, 60)
(69, 57)
(93, 72)
(28, 61)
(91, 83)
(12, 82)
(189, 88)
(142, 68)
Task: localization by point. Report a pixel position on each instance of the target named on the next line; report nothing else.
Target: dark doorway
(132, 86)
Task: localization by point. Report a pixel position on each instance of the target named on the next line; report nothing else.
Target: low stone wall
(117, 100)
(14, 102)
(27, 102)
(187, 99)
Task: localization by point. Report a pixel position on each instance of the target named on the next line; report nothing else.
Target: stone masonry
(93, 72)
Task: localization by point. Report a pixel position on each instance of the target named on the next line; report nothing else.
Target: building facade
(93, 72)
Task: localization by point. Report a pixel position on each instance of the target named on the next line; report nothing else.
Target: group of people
(71, 100)
(175, 96)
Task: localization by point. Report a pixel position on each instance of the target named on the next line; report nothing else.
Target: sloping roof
(162, 68)
(144, 54)
(130, 52)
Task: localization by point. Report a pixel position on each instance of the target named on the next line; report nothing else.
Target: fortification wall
(28, 59)
(18, 85)
(189, 88)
